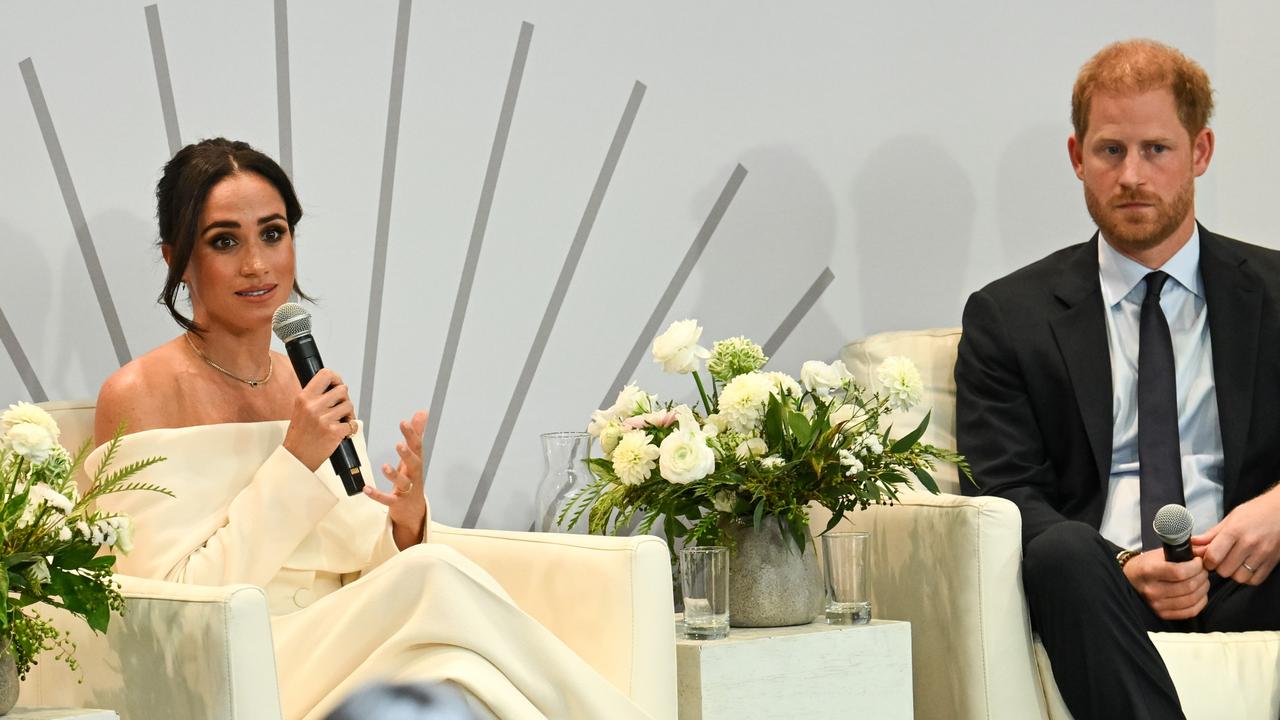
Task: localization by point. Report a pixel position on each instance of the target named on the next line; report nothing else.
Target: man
(1092, 390)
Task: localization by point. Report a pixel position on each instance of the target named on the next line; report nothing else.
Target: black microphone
(1173, 526)
(292, 324)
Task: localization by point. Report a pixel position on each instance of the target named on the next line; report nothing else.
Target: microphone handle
(1178, 553)
(345, 462)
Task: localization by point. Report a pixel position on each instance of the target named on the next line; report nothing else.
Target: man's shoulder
(1041, 277)
(1268, 258)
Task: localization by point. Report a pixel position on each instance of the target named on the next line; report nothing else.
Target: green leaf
(836, 517)
(773, 422)
(758, 516)
(925, 479)
(912, 437)
(799, 425)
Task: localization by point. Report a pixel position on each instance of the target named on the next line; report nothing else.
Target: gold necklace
(251, 383)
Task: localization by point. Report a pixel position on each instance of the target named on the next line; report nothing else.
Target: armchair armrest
(952, 566)
(607, 598)
(179, 650)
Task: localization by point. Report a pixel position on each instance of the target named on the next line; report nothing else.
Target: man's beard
(1138, 237)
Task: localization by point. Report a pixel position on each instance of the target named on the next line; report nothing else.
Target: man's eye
(1111, 149)
(1158, 148)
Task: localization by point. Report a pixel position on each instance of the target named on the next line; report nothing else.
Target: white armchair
(205, 652)
(952, 566)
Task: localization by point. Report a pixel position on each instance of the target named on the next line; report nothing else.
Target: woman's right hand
(322, 416)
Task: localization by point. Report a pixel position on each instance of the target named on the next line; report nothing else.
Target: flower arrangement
(764, 445)
(50, 535)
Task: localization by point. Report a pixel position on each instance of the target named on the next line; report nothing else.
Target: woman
(356, 592)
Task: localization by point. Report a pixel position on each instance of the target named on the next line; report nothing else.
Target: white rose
(25, 413)
(634, 458)
(901, 381)
(677, 349)
(31, 441)
(723, 501)
(685, 456)
(610, 436)
(754, 447)
(821, 378)
(742, 402)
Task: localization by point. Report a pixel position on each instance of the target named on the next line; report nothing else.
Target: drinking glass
(704, 582)
(844, 568)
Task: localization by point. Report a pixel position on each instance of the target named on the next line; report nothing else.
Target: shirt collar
(1120, 274)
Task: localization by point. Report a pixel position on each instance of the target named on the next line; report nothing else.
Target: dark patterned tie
(1159, 456)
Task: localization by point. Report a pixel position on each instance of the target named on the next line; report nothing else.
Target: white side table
(815, 670)
(21, 713)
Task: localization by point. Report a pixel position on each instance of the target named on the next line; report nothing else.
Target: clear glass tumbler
(844, 569)
(704, 581)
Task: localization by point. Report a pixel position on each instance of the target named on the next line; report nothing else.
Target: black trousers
(1094, 625)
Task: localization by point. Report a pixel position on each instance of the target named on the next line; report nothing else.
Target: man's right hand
(1175, 591)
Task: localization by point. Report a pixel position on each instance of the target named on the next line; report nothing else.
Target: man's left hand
(1245, 546)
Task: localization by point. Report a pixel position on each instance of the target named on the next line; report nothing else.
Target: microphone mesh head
(291, 320)
(1173, 524)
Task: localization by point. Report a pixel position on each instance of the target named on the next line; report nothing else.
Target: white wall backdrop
(915, 149)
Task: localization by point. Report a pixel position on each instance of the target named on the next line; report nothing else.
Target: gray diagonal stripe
(74, 211)
(677, 283)
(284, 107)
(553, 306)
(374, 323)
(161, 61)
(20, 361)
(798, 312)
(468, 275)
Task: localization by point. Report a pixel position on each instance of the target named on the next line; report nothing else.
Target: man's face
(1138, 165)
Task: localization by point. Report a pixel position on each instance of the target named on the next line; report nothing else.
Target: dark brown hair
(184, 187)
(1137, 66)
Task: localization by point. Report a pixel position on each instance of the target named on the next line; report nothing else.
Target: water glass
(844, 568)
(704, 582)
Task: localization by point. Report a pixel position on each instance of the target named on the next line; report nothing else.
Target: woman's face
(242, 263)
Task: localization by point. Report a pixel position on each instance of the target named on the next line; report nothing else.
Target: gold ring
(398, 491)
(354, 428)
(1249, 567)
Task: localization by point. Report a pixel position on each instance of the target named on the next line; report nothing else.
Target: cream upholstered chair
(951, 565)
(190, 651)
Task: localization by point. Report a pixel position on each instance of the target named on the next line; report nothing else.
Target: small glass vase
(565, 472)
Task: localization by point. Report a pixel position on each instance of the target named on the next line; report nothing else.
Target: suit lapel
(1235, 314)
(1081, 333)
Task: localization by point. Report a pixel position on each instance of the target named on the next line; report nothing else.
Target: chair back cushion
(934, 354)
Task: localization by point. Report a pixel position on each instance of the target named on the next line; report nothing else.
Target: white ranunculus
(25, 413)
(610, 436)
(677, 349)
(821, 378)
(723, 501)
(631, 401)
(717, 422)
(634, 458)
(31, 441)
(901, 381)
(753, 447)
(685, 456)
(743, 400)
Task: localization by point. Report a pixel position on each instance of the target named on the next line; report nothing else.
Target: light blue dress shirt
(1199, 434)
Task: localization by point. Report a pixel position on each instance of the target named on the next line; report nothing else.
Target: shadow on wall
(1040, 205)
(915, 207)
(777, 237)
(28, 316)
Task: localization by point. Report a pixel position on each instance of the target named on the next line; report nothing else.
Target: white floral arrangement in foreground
(762, 444)
(52, 538)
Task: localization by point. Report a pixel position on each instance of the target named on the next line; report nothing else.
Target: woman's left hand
(407, 500)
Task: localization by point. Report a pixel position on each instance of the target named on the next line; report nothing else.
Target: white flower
(821, 378)
(715, 424)
(901, 381)
(631, 401)
(599, 420)
(610, 436)
(752, 447)
(773, 461)
(64, 534)
(742, 402)
(851, 461)
(677, 349)
(724, 500)
(872, 444)
(785, 384)
(634, 458)
(85, 531)
(685, 455)
(124, 533)
(31, 441)
(42, 494)
(840, 416)
(25, 413)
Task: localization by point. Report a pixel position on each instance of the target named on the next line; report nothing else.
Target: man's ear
(1076, 154)
(1202, 151)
